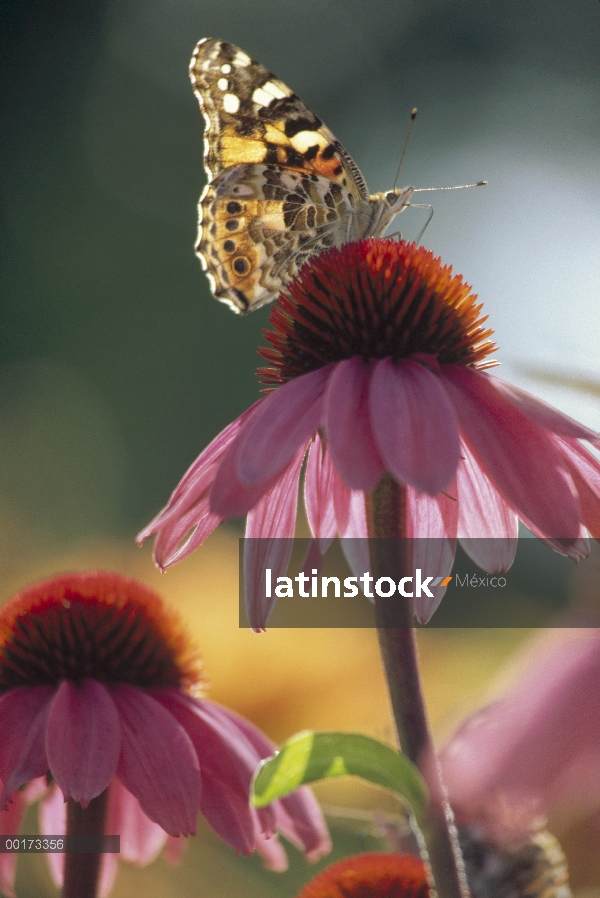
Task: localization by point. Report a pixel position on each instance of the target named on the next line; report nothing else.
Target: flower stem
(390, 557)
(81, 877)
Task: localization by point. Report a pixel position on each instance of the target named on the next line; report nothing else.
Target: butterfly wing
(280, 186)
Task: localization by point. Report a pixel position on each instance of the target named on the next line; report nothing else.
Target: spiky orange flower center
(371, 876)
(99, 625)
(374, 299)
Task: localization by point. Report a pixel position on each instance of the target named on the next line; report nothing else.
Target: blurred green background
(116, 365)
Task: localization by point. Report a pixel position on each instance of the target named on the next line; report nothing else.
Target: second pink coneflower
(100, 690)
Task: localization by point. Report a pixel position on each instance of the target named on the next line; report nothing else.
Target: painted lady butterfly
(280, 186)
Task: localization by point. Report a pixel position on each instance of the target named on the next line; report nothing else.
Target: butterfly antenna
(455, 187)
(413, 116)
(430, 208)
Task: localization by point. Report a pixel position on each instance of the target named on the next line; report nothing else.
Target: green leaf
(310, 756)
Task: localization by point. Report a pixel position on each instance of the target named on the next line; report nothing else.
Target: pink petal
(23, 717)
(300, 819)
(188, 510)
(158, 763)
(289, 416)
(414, 424)
(272, 852)
(577, 549)
(545, 415)
(354, 534)
(196, 482)
(141, 839)
(35, 789)
(432, 522)
(298, 816)
(53, 821)
(197, 524)
(83, 739)
(270, 528)
(487, 527)
(585, 471)
(520, 458)
(318, 494)
(541, 742)
(229, 497)
(109, 864)
(174, 850)
(227, 763)
(348, 427)
(313, 560)
(10, 824)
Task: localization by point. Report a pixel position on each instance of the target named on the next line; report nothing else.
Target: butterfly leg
(429, 217)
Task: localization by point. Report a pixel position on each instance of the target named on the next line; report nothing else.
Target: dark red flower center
(374, 299)
(99, 625)
(371, 876)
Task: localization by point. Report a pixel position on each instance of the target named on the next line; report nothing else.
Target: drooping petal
(543, 414)
(272, 852)
(577, 549)
(318, 494)
(174, 849)
(83, 739)
(53, 821)
(141, 839)
(414, 424)
(197, 523)
(197, 480)
(520, 458)
(270, 527)
(585, 471)
(298, 816)
(158, 763)
(10, 824)
(432, 522)
(227, 762)
(488, 528)
(288, 417)
(348, 427)
(229, 497)
(354, 532)
(23, 718)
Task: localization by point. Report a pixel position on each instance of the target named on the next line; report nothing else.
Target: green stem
(82, 871)
(390, 557)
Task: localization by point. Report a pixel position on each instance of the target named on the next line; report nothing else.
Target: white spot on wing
(303, 140)
(261, 97)
(242, 58)
(222, 83)
(226, 68)
(270, 91)
(231, 103)
(274, 89)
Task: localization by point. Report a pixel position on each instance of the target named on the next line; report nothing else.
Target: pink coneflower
(376, 375)
(99, 690)
(376, 875)
(537, 749)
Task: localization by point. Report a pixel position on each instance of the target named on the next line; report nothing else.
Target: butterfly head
(386, 206)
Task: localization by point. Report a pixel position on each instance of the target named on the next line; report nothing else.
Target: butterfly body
(280, 186)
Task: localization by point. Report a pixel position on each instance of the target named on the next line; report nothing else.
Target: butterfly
(280, 187)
